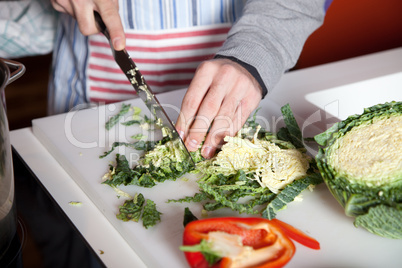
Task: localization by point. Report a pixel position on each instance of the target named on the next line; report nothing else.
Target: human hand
(221, 96)
(83, 12)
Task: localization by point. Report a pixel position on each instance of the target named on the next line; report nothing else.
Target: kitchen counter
(309, 92)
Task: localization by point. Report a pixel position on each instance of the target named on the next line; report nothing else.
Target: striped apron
(166, 58)
(167, 39)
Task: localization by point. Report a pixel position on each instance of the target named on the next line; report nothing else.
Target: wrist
(251, 69)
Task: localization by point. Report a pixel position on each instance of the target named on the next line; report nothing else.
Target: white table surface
(90, 221)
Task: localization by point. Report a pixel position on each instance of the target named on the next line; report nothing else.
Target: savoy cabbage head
(361, 162)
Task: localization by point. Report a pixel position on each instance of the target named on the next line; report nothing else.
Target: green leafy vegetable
(140, 145)
(125, 108)
(121, 173)
(137, 208)
(360, 162)
(289, 193)
(131, 209)
(151, 215)
(188, 216)
(293, 129)
(242, 190)
(138, 136)
(197, 198)
(132, 122)
(382, 220)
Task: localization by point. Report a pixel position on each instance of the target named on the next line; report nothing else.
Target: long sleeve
(270, 35)
(27, 28)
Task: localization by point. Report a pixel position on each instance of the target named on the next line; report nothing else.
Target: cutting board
(77, 139)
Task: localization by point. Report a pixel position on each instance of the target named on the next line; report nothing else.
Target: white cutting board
(76, 140)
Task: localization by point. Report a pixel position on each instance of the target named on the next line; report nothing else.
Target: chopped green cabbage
(256, 172)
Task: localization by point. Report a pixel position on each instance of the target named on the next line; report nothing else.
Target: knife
(138, 82)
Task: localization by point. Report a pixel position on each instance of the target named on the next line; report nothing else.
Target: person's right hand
(83, 12)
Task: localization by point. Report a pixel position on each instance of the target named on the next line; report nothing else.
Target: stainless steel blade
(138, 82)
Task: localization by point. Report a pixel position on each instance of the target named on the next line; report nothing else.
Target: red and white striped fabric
(166, 58)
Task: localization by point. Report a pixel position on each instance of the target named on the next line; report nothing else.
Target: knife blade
(143, 90)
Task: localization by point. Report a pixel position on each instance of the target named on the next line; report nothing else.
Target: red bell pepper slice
(297, 235)
(269, 240)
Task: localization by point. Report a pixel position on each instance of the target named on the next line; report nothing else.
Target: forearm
(270, 35)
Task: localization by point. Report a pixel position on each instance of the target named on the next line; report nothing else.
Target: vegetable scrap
(115, 119)
(139, 208)
(75, 203)
(255, 172)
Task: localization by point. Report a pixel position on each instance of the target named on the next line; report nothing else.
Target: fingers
(82, 11)
(232, 116)
(62, 6)
(218, 100)
(84, 14)
(195, 94)
(224, 107)
(226, 125)
(110, 16)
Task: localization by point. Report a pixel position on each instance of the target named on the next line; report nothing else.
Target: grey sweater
(269, 36)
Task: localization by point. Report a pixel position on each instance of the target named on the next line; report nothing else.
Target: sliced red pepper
(297, 235)
(269, 239)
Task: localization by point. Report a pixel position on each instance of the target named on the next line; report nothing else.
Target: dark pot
(9, 71)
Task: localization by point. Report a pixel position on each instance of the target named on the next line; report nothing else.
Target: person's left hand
(220, 98)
